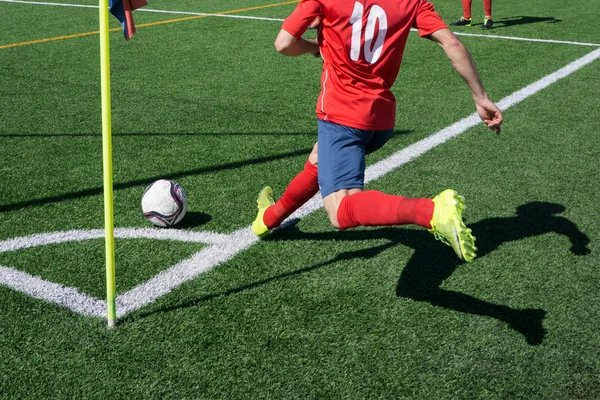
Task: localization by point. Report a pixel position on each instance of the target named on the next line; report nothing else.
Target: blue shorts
(342, 153)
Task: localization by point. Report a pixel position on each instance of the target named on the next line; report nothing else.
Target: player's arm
(288, 45)
(463, 63)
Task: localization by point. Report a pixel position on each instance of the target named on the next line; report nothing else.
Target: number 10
(372, 50)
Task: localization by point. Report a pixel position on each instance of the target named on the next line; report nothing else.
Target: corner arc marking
(70, 297)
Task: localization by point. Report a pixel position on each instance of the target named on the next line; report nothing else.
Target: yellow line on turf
(6, 46)
(170, 21)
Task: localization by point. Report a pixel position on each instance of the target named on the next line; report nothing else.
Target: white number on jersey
(372, 51)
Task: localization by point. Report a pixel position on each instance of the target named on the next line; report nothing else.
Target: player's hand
(315, 23)
(490, 114)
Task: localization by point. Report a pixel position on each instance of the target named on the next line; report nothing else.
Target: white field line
(70, 297)
(61, 295)
(224, 246)
(527, 39)
(280, 20)
(42, 3)
(44, 239)
(168, 280)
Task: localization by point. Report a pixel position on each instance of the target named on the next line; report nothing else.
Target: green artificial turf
(308, 313)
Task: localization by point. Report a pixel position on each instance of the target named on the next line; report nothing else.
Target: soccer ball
(164, 203)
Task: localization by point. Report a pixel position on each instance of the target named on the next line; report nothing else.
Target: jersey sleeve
(298, 22)
(428, 20)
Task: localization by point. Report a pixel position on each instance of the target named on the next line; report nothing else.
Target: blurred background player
(362, 44)
(465, 20)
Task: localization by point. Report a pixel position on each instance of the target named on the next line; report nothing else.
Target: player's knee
(334, 222)
(332, 214)
(313, 158)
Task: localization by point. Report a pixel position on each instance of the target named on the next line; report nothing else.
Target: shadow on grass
(427, 269)
(432, 262)
(517, 20)
(522, 20)
(193, 219)
(146, 181)
(151, 134)
(171, 175)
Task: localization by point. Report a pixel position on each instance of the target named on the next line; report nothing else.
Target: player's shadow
(421, 278)
(433, 263)
(522, 20)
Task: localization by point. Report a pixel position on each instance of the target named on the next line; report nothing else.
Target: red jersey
(362, 43)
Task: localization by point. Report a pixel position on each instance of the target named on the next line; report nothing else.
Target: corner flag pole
(107, 165)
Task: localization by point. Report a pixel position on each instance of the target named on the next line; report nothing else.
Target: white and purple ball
(164, 203)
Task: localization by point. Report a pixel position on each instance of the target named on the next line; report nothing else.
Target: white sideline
(280, 20)
(43, 3)
(527, 39)
(223, 247)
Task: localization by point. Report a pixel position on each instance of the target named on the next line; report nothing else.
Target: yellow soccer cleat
(448, 226)
(265, 200)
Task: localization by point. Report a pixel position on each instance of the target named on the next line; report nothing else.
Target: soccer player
(362, 44)
(465, 20)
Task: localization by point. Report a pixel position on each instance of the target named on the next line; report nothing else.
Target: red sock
(487, 7)
(373, 208)
(466, 4)
(301, 189)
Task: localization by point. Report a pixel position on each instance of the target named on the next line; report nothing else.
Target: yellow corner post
(107, 165)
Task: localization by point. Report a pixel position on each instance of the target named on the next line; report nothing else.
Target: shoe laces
(439, 236)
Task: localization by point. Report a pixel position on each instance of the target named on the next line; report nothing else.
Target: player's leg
(465, 20)
(379, 139)
(466, 5)
(442, 215)
(301, 189)
(374, 208)
(487, 21)
(341, 156)
(341, 176)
